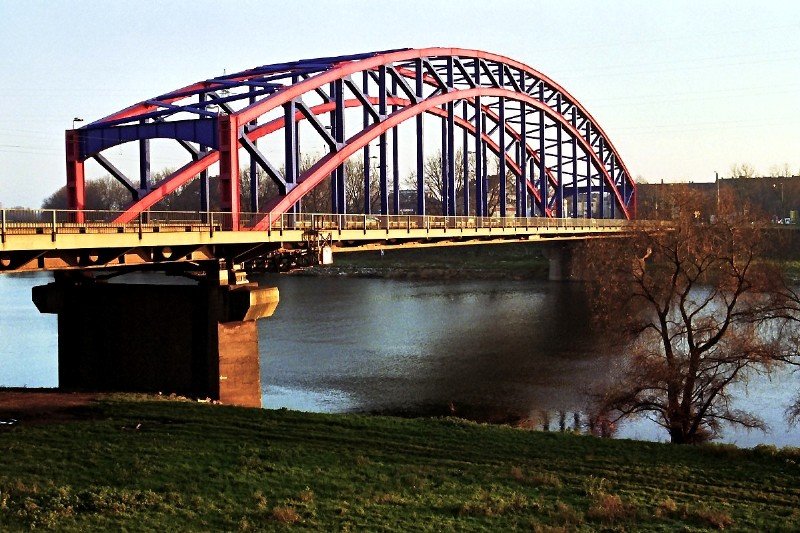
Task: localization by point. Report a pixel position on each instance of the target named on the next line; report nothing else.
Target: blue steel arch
(560, 151)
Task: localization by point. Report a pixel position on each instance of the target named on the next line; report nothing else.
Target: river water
(503, 351)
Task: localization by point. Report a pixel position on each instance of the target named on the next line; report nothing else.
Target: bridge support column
(195, 340)
(563, 264)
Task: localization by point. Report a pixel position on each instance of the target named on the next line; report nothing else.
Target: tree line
(106, 193)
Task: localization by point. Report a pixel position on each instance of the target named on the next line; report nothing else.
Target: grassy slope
(201, 467)
(509, 260)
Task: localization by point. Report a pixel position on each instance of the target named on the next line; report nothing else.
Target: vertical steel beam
(382, 147)
(334, 181)
(484, 173)
(613, 203)
(626, 192)
(479, 155)
(253, 164)
(523, 167)
(445, 167)
(573, 119)
(517, 178)
(532, 173)
(76, 183)
(341, 200)
(367, 159)
(542, 148)
(451, 143)
(559, 173)
(229, 185)
(523, 191)
(205, 204)
(144, 164)
(518, 198)
(465, 158)
(395, 158)
(501, 171)
(589, 209)
(298, 207)
(290, 145)
(602, 181)
(451, 160)
(419, 80)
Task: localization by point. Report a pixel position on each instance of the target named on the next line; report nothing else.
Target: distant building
(778, 198)
(408, 201)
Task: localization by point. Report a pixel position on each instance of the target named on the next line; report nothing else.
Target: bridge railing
(54, 221)
(324, 221)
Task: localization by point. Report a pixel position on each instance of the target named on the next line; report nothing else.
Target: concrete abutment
(563, 265)
(195, 340)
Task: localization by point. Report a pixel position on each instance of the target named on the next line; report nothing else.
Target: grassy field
(508, 261)
(793, 269)
(158, 465)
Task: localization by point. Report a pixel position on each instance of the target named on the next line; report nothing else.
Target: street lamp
(775, 187)
(74, 120)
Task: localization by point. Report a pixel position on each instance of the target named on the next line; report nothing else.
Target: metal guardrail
(54, 222)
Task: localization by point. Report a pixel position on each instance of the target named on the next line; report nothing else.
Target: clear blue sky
(682, 88)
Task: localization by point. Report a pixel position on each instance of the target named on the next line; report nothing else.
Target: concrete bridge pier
(195, 340)
(563, 263)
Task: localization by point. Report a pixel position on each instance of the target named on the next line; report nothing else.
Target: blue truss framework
(558, 155)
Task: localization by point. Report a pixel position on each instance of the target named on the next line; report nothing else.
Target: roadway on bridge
(47, 240)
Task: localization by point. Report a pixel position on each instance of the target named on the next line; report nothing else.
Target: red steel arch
(327, 164)
(568, 152)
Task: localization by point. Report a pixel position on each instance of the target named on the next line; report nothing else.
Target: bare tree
(354, 185)
(318, 199)
(435, 185)
(493, 198)
(743, 170)
(781, 171)
(104, 193)
(693, 309)
(790, 298)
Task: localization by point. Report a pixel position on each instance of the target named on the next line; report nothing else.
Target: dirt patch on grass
(42, 406)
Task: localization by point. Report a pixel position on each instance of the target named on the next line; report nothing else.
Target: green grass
(203, 467)
(793, 269)
(509, 260)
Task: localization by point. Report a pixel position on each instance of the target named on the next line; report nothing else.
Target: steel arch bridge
(558, 159)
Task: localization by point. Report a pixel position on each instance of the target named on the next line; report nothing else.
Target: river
(492, 350)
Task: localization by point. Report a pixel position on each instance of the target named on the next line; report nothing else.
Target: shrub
(609, 508)
(285, 514)
(565, 515)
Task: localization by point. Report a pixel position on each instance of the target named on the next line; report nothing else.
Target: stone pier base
(195, 340)
(562, 262)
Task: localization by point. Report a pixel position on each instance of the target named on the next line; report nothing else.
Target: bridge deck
(46, 240)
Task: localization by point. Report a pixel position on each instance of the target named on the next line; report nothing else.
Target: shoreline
(418, 273)
(510, 261)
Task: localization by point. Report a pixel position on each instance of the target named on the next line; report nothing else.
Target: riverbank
(141, 463)
(473, 262)
(508, 261)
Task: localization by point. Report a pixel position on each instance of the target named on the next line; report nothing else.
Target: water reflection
(490, 350)
(28, 341)
(518, 352)
(575, 422)
(501, 351)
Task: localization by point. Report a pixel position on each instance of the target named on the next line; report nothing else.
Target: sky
(683, 89)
